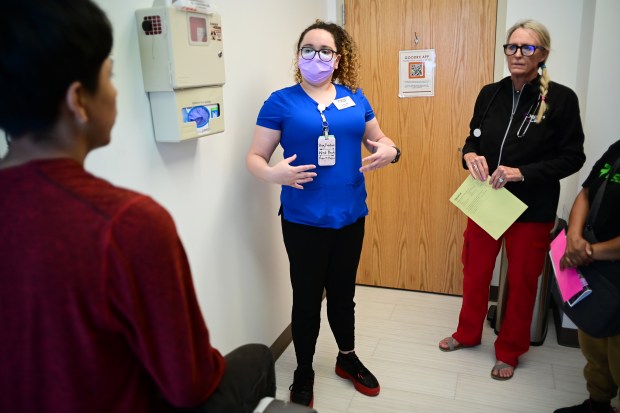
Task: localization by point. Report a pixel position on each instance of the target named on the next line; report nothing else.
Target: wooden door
(414, 235)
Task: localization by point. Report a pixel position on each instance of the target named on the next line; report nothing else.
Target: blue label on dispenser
(201, 115)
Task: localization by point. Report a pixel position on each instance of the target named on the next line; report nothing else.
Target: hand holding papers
(571, 283)
(493, 209)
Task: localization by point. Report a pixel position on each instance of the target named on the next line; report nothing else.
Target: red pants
(527, 244)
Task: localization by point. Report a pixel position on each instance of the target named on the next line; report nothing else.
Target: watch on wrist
(397, 157)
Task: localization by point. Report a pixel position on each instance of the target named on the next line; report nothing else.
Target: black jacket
(546, 153)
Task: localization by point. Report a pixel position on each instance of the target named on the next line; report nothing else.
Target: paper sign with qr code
(416, 75)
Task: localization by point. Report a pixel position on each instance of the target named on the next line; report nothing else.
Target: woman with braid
(525, 135)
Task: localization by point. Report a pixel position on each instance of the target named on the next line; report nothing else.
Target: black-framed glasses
(526, 49)
(325, 54)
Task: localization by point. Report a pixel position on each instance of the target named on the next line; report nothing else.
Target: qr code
(416, 70)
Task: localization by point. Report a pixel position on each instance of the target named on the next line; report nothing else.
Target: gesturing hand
(285, 174)
(384, 154)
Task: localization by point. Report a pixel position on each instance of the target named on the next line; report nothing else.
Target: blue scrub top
(337, 195)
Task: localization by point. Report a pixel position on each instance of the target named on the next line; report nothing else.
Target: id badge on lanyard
(327, 150)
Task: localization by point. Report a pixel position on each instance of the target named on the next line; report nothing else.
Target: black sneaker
(585, 407)
(348, 366)
(302, 387)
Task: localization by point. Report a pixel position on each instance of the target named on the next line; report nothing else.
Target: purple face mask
(316, 70)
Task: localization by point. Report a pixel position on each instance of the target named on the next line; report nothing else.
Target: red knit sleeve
(153, 302)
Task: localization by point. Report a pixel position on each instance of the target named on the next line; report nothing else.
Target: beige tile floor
(396, 337)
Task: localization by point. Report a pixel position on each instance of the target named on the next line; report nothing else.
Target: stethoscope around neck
(529, 118)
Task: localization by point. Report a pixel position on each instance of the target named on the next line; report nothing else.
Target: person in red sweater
(98, 312)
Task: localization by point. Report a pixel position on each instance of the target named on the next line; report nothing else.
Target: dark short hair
(45, 45)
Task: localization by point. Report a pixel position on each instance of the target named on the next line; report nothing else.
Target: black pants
(322, 259)
(249, 376)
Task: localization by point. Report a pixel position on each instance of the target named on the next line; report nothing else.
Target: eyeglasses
(308, 53)
(526, 49)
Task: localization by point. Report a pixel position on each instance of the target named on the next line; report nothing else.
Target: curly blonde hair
(347, 73)
(545, 42)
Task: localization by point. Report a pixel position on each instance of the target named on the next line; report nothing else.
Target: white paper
(494, 210)
(416, 71)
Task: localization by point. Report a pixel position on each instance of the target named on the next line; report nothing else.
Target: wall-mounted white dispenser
(182, 59)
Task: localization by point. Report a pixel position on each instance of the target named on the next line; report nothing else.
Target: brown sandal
(453, 345)
(496, 369)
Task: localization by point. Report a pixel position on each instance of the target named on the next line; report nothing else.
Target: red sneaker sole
(368, 391)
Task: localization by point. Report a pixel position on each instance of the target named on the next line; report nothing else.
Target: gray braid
(544, 89)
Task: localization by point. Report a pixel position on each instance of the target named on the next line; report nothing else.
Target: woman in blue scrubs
(321, 123)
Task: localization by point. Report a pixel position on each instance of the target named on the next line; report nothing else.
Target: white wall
(603, 110)
(227, 219)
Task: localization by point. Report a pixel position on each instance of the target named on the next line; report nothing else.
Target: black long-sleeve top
(545, 153)
(607, 223)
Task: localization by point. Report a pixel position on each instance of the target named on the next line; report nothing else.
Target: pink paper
(568, 278)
